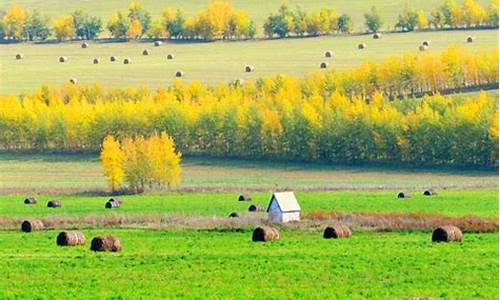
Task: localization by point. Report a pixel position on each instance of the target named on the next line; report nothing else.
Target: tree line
(220, 20)
(330, 116)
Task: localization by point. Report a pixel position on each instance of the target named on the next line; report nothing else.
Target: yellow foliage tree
(64, 28)
(14, 21)
(112, 162)
(135, 29)
(421, 19)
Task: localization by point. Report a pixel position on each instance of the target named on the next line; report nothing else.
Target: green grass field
(208, 63)
(54, 174)
(258, 10)
(216, 265)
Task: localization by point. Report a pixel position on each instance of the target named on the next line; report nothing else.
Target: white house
(283, 208)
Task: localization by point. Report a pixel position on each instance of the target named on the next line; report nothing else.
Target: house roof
(286, 202)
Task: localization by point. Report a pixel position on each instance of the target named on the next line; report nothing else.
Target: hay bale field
(127, 61)
(179, 74)
(54, 203)
(265, 234)
(112, 204)
(249, 68)
(96, 61)
(430, 192)
(361, 46)
(470, 39)
(158, 43)
(404, 195)
(447, 234)
(329, 54)
(70, 238)
(32, 225)
(30, 200)
(19, 56)
(106, 244)
(170, 56)
(426, 43)
(63, 59)
(323, 65)
(377, 35)
(113, 58)
(337, 232)
(145, 52)
(85, 45)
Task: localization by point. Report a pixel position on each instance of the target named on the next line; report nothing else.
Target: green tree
(373, 20)
(118, 25)
(280, 24)
(137, 12)
(174, 24)
(86, 27)
(344, 24)
(407, 21)
(37, 26)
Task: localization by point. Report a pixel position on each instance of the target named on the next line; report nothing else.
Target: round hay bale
(430, 192)
(145, 52)
(112, 204)
(323, 65)
(337, 232)
(404, 195)
(234, 215)
(265, 234)
(63, 59)
(470, 39)
(113, 58)
(447, 233)
(105, 243)
(328, 54)
(377, 35)
(19, 56)
(249, 68)
(73, 80)
(31, 225)
(30, 200)
(244, 197)
(426, 43)
(96, 61)
(170, 56)
(179, 74)
(361, 46)
(255, 208)
(70, 238)
(157, 43)
(127, 61)
(85, 45)
(54, 203)
(422, 48)
(115, 200)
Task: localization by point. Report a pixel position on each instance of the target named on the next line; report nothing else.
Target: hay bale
(73, 80)
(323, 65)
(145, 52)
(115, 200)
(249, 68)
(170, 56)
(255, 208)
(113, 58)
(244, 197)
(95, 61)
(361, 46)
(30, 200)
(422, 48)
(127, 61)
(237, 82)
(70, 238)
(31, 225)
(328, 54)
(377, 35)
(157, 43)
(63, 59)
(430, 192)
(337, 232)
(179, 74)
(84, 45)
(112, 204)
(470, 39)
(54, 203)
(234, 215)
(447, 233)
(404, 195)
(265, 234)
(105, 243)
(19, 56)
(426, 43)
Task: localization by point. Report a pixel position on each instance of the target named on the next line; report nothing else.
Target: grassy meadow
(213, 265)
(209, 63)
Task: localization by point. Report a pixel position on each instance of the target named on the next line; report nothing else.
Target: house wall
(275, 214)
(290, 216)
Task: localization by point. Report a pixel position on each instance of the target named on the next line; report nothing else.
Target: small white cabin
(283, 208)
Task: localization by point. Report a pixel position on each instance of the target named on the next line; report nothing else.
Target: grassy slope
(482, 203)
(208, 62)
(258, 10)
(50, 174)
(215, 265)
